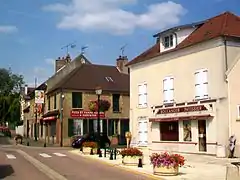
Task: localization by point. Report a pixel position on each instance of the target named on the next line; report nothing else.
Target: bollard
(91, 152)
(28, 143)
(115, 154)
(100, 153)
(44, 145)
(105, 152)
(81, 148)
(140, 165)
(111, 155)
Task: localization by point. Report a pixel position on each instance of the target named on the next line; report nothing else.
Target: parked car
(93, 137)
(5, 131)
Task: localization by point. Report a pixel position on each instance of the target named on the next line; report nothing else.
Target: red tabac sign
(86, 114)
(182, 109)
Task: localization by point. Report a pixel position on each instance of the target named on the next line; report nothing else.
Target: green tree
(10, 86)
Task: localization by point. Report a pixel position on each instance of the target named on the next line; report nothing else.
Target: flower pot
(131, 160)
(165, 171)
(86, 150)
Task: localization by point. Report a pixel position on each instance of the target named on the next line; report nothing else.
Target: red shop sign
(86, 114)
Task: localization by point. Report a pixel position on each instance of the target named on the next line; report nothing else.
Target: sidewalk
(197, 167)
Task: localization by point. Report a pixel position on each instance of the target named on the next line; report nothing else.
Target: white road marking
(10, 156)
(45, 155)
(59, 154)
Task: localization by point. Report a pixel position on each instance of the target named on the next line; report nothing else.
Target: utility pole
(35, 124)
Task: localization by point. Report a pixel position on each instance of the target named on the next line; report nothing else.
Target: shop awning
(51, 115)
(179, 118)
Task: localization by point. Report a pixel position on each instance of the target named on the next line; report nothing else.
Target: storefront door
(202, 135)
(143, 132)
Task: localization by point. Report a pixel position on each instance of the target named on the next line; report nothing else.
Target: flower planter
(165, 171)
(131, 160)
(86, 150)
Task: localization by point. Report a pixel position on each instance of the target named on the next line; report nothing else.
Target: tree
(10, 86)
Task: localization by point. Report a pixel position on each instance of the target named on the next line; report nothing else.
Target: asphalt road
(75, 167)
(14, 167)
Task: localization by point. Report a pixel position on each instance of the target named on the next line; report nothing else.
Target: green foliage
(10, 85)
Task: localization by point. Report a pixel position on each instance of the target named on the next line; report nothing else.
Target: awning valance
(179, 118)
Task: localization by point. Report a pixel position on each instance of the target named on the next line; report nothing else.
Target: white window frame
(140, 104)
(170, 44)
(142, 120)
(238, 111)
(203, 85)
(166, 90)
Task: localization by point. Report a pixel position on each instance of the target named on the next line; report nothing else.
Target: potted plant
(131, 156)
(103, 105)
(88, 146)
(166, 163)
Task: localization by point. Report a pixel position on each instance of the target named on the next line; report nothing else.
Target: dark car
(93, 137)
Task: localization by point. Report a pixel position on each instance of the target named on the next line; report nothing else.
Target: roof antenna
(70, 45)
(122, 49)
(83, 49)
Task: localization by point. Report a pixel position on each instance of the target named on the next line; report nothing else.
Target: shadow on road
(4, 140)
(5, 171)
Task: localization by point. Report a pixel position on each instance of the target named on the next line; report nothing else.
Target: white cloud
(8, 29)
(109, 15)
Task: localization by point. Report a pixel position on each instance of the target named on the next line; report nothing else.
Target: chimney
(61, 62)
(26, 89)
(121, 62)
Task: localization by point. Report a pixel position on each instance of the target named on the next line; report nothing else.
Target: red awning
(179, 118)
(50, 118)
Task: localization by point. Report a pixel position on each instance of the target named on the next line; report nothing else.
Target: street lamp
(98, 93)
(61, 118)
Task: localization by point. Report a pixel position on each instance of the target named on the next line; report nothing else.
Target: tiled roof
(226, 24)
(90, 76)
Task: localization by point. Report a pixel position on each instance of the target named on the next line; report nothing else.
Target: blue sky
(33, 32)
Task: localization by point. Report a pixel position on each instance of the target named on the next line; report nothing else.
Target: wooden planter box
(131, 160)
(165, 171)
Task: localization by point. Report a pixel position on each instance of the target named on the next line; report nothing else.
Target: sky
(33, 33)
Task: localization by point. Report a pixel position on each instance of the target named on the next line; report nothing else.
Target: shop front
(82, 122)
(51, 127)
(188, 128)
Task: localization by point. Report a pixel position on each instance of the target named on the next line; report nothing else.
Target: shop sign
(86, 114)
(182, 109)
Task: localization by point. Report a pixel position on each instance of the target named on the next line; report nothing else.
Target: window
(142, 131)
(55, 101)
(109, 79)
(201, 84)
(168, 90)
(169, 131)
(115, 102)
(49, 104)
(142, 95)
(168, 41)
(187, 132)
(238, 111)
(76, 100)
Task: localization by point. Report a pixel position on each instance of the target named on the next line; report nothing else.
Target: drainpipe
(228, 88)
(61, 117)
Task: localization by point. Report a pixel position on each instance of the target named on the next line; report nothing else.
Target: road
(74, 167)
(13, 166)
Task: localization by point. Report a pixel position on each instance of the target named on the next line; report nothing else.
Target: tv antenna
(70, 45)
(122, 49)
(83, 49)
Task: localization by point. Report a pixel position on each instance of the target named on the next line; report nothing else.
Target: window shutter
(198, 85)
(165, 90)
(70, 127)
(144, 94)
(171, 89)
(204, 78)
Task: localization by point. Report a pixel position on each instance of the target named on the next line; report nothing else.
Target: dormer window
(168, 41)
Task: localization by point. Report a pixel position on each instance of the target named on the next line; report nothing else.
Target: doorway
(202, 135)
